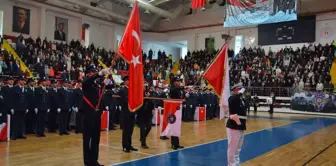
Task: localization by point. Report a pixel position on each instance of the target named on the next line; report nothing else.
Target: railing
(281, 91)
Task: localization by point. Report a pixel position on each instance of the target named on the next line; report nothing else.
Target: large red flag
(217, 76)
(197, 3)
(215, 72)
(130, 49)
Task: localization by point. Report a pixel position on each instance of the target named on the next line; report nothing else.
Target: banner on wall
(254, 12)
(21, 20)
(299, 31)
(1, 21)
(319, 101)
(61, 29)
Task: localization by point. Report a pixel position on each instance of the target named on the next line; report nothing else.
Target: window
(238, 44)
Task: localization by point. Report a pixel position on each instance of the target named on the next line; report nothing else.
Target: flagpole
(213, 61)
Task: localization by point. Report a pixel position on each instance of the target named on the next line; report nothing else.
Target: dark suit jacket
(43, 99)
(57, 36)
(24, 30)
(20, 99)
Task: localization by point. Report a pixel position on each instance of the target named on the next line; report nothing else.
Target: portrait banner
(61, 29)
(254, 12)
(21, 20)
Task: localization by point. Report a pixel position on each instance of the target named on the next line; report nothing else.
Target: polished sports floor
(285, 140)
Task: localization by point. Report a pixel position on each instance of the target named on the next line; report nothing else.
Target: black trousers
(63, 120)
(91, 136)
(111, 117)
(128, 127)
(271, 109)
(18, 123)
(190, 113)
(40, 123)
(145, 128)
(30, 121)
(175, 141)
(79, 122)
(52, 120)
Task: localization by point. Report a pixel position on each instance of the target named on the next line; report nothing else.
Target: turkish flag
(195, 4)
(130, 49)
(217, 76)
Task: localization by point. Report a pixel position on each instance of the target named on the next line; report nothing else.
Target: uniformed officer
(54, 106)
(92, 114)
(128, 119)
(19, 110)
(236, 124)
(255, 104)
(31, 114)
(175, 93)
(110, 104)
(78, 99)
(8, 95)
(272, 96)
(144, 117)
(2, 108)
(43, 106)
(66, 102)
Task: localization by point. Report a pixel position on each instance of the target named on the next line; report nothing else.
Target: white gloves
(12, 111)
(120, 108)
(58, 110)
(69, 110)
(48, 110)
(76, 109)
(116, 107)
(27, 111)
(190, 106)
(235, 118)
(0, 114)
(187, 95)
(159, 108)
(210, 105)
(36, 110)
(205, 105)
(184, 106)
(105, 71)
(107, 108)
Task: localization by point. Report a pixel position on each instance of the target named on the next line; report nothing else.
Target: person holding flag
(130, 49)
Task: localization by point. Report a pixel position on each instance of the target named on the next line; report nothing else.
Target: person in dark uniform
(128, 117)
(236, 124)
(7, 92)
(176, 93)
(54, 106)
(31, 114)
(20, 108)
(91, 114)
(247, 98)
(2, 108)
(144, 117)
(66, 102)
(272, 96)
(43, 106)
(255, 104)
(110, 105)
(78, 98)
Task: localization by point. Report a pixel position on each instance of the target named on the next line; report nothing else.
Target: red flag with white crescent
(130, 49)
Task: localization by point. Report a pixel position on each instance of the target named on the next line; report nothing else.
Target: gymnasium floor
(286, 140)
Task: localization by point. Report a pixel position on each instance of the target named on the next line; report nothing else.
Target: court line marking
(112, 147)
(130, 161)
(319, 153)
(122, 150)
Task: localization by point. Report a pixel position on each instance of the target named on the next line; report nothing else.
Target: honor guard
(43, 106)
(31, 115)
(19, 110)
(110, 103)
(54, 106)
(7, 93)
(66, 102)
(78, 99)
(255, 104)
(236, 124)
(128, 119)
(3, 114)
(175, 93)
(92, 89)
(144, 117)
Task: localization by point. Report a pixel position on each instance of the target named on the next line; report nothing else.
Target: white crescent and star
(135, 59)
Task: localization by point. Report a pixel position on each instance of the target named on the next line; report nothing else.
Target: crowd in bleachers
(301, 68)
